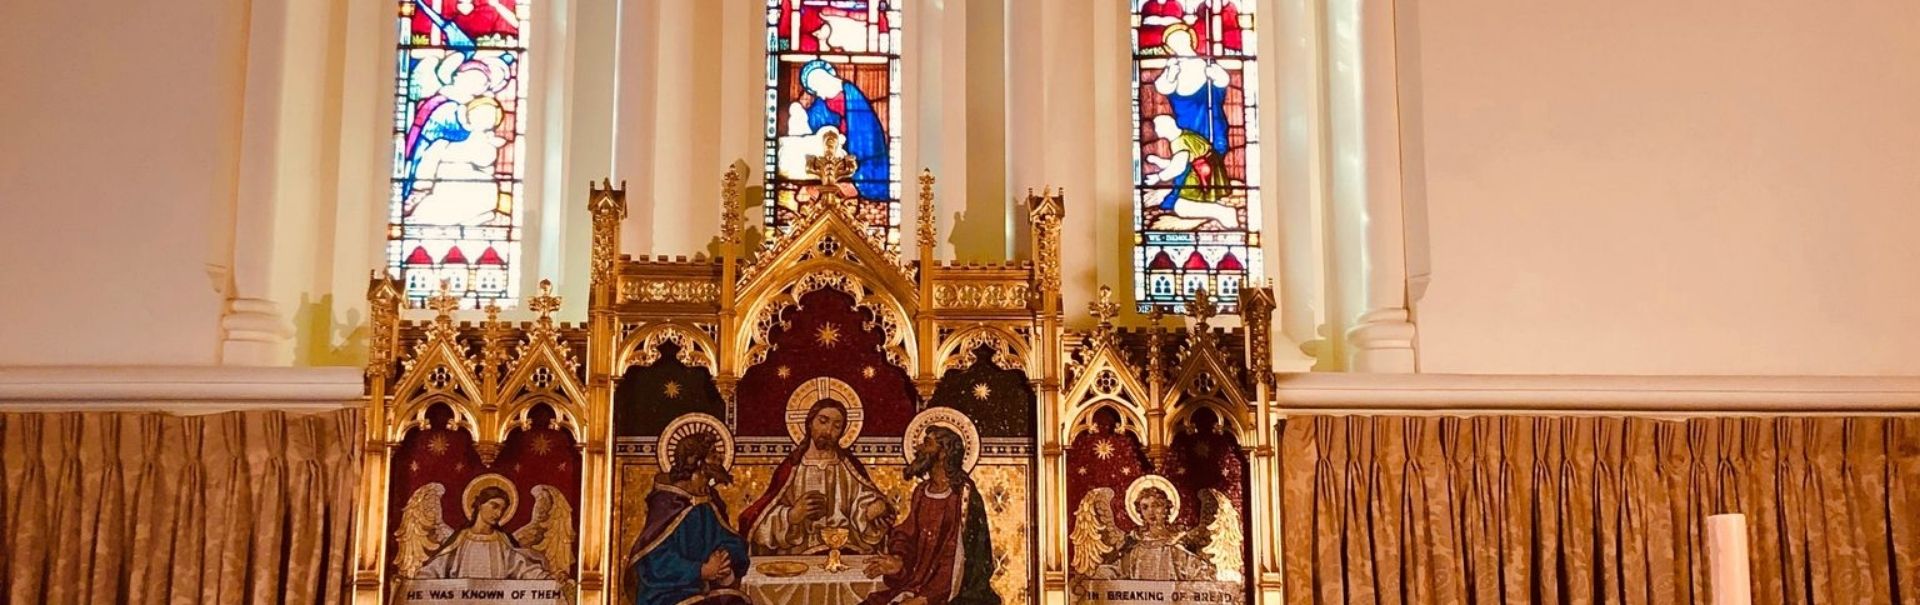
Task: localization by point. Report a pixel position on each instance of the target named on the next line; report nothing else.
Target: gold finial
(831, 166)
(1104, 309)
(730, 213)
(1156, 339)
(493, 312)
(546, 303)
(926, 208)
(1201, 308)
(444, 302)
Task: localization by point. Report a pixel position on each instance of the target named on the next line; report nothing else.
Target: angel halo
(1140, 486)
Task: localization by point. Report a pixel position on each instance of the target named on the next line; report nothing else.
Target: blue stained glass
(834, 65)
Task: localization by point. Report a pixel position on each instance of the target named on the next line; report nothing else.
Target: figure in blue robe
(1203, 109)
(686, 553)
(1203, 112)
(842, 105)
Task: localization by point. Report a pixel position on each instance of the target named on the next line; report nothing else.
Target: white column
(282, 179)
(741, 53)
(635, 106)
(1367, 239)
(1067, 104)
(976, 197)
(577, 131)
(1294, 132)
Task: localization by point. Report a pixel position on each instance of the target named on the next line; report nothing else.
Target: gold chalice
(835, 539)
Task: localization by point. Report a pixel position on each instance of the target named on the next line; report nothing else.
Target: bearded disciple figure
(819, 486)
(942, 552)
(686, 553)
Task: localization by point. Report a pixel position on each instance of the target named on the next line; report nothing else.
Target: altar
(715, 414)
(815, 586)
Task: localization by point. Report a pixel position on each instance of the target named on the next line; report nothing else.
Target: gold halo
(812, 391)
(483, 481)
(947, 417)
(1140, 486)
(689, 424)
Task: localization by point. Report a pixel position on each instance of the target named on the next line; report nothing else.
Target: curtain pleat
(149, 508)
(1573, 510)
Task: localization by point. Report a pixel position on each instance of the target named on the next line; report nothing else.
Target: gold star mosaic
(827, 335)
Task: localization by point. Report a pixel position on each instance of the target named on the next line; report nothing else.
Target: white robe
(472, 555)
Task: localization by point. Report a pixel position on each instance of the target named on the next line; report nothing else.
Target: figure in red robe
(941, 553)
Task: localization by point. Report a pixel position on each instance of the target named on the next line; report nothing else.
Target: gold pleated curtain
(1392, 509)
(243, 507)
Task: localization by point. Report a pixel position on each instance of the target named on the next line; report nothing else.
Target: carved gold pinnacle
(926, 208)
(444, 302)
(1202, 308)
(730, 213)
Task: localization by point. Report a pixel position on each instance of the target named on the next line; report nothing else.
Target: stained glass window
(1196, 151)
(834, 65)
(459, 130)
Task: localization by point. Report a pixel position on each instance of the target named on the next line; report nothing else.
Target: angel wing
(1095, 535)
(1224, 550)
(422, 529)
(550, 532)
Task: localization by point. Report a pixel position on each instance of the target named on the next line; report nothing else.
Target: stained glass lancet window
(459, 130)
(834, 65)
(1196, 150)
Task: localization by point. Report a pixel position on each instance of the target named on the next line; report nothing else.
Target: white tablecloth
(815, 587)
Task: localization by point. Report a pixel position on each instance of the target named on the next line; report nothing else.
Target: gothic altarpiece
(817, 421)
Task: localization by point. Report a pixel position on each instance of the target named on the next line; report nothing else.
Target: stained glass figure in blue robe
(842, 105)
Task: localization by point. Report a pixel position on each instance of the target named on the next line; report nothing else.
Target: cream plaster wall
(1656, 187)
(1635, 187)
(121, 132)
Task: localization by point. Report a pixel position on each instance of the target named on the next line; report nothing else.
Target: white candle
(1728, 576)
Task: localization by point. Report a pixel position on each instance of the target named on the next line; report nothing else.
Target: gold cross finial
(1104, 308)
(1202, 308)
(444, 302)
(832, 166)
(546, 303)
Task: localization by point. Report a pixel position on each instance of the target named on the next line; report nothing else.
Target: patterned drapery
(1596, 510)
(138, 507)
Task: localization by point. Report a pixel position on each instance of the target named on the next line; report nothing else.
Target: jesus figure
(819, 486)
(942, 552)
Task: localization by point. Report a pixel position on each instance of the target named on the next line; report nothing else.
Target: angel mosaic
(542, 549)
(1158, 549)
